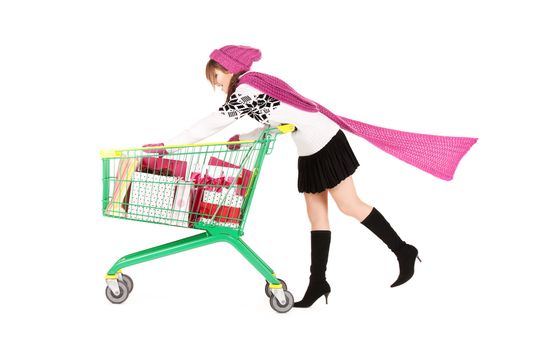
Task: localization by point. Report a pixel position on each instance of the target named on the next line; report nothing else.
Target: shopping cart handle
(110, 153)
(285, 128)
(115, 153)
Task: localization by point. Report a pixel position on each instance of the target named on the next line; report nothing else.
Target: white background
(80, 76)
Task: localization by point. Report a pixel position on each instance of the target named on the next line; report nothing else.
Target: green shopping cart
(206, 187)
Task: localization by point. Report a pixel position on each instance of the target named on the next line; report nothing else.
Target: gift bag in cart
(206, 187)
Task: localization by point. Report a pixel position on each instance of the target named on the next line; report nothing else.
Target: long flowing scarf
(437, 155)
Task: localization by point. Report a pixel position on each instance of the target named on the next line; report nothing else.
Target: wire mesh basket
(202, 186)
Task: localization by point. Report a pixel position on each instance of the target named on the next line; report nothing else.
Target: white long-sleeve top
(314, 130)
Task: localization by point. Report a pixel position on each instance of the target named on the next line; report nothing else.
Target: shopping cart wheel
(275, 304)
(268, 290)
(128, 281)
(123, 293)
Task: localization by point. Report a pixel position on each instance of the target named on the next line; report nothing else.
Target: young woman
(326, 161)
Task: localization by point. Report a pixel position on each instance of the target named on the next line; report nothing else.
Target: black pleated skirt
(328, 167)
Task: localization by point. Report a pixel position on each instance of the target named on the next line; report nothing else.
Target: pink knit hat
(236, 58)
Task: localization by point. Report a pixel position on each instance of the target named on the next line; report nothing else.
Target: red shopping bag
(217, 183)
(203, 183)
(243, 179)
(227, 201)
(225, 213)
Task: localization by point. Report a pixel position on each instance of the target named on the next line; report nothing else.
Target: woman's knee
(358, 210)
(347, 200)
(318, 217)
(350, 208)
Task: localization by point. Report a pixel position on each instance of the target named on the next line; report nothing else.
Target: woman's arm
(240, 103)
(254, 134)
(202, 129)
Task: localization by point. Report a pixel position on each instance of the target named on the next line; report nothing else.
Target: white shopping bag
(181, 206)
(214, 222)
(152, 197)
(226, 197)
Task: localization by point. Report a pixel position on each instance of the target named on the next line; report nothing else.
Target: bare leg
(347, 200)
(317, 207)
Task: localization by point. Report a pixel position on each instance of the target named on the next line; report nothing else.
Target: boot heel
(326, 297)
(418, 258)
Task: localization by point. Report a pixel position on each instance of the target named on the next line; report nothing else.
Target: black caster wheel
(275, 304)
(128, 281)
(121, 297)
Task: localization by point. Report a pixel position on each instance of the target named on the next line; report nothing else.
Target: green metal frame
(105, 184)
(213, 234)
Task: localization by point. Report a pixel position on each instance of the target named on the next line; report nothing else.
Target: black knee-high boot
(320, 246)
(406, 253)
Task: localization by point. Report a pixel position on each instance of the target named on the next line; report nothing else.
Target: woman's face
(222, 80)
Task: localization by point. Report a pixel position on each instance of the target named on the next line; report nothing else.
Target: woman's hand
(235, 146)
(160, 151)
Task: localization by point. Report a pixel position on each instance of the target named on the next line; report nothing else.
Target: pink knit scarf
(437, 155)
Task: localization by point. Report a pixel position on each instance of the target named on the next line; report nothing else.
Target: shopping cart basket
(201, 186)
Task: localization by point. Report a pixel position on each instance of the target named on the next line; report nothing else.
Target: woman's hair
(210, 75)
